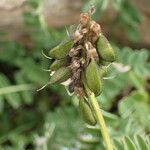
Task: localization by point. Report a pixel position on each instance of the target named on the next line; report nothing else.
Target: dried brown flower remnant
(78, 90)
(77, 36)
(91, 50)
(95, 27)
(84, 19)
(75, 51)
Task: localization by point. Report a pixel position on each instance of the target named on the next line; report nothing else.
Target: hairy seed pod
(93, 77)
(84, 19)
(57, 64)
(61, 75)
(61, 50)
(86, 111)
(104, 49)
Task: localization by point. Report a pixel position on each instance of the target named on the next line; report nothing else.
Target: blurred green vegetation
(49, 119)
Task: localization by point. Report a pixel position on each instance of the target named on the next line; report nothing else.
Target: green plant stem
(100, 119)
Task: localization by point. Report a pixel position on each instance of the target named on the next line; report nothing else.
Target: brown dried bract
(84, 19)
(78, 90)
(95, 27)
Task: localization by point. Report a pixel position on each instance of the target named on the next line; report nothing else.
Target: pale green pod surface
(61, 75)
(86, 112)
(57, 64)
(93, 79)
(105, 50)
(61, 50)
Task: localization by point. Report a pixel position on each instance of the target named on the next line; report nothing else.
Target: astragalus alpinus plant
(79, 64)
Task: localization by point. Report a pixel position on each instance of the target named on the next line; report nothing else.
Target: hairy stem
(100, 119)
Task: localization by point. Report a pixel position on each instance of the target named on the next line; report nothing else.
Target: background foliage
(49, 119)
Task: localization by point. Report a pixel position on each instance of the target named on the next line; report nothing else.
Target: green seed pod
(93, 79)
(61, 75)
(86, 111)
(61, 50)
(57, 64)
(104, 49)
